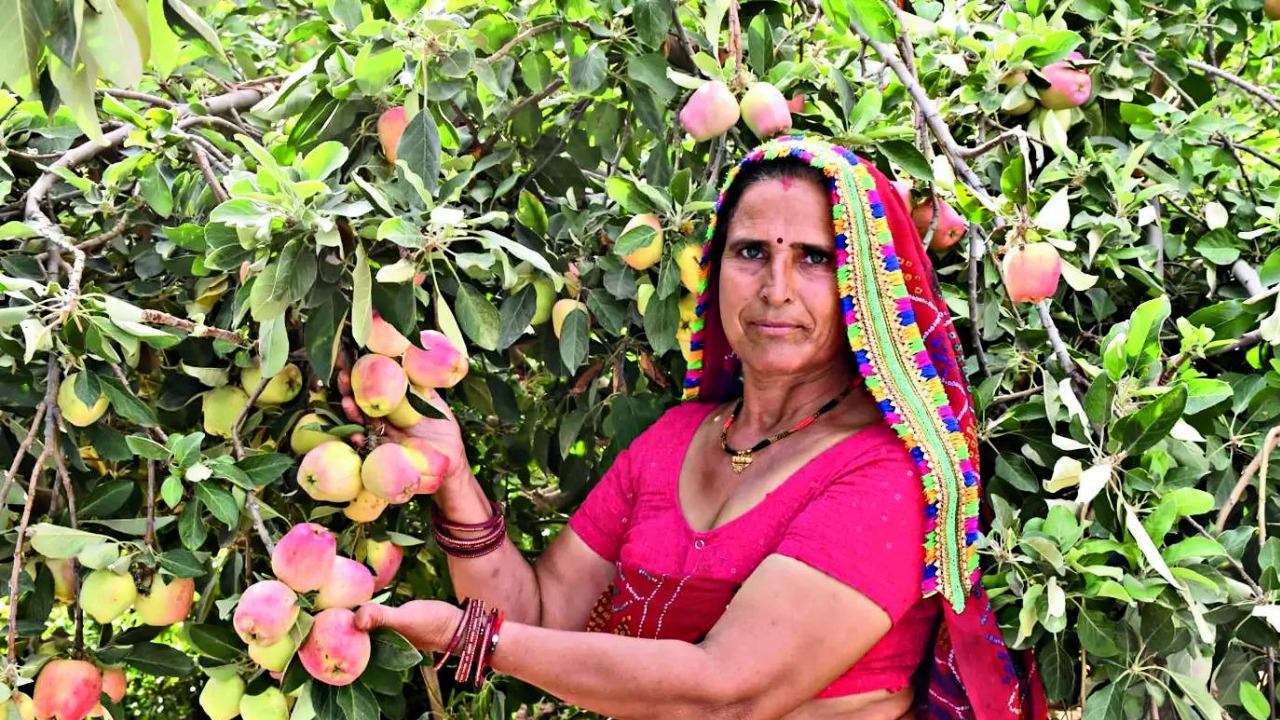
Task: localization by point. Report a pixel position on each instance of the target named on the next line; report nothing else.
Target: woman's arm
(788, 633)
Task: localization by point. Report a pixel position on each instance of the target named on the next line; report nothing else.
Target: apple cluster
(67, 690)
(712, 110)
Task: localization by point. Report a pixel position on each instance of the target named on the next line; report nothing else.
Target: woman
(787, 542)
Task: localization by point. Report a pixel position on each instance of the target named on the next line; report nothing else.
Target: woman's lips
(774, 328)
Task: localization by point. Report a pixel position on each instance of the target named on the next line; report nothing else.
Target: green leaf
(155, 190)
(867, 109)
(361, 298)
(106, 499)
(268, 298)
(652, 18)
(875, 18)
(357, 701)
(1144, 326)
(587, 71)
(22, 37)
(1152, 423)
(419, 149)
(55, 541)
(320, 333)
(1219, 247)
(1096, 634)
(1107, 702)
(159, 660)
(87, 388)
(147, 447)
(126, 404)
(403, 9)
(274, 345)
(392, 651)
(574, 339)
(1254, 702)
(195, 23)
(182, 563)
(517, 312)
(1193, 547)
(217, 641)
(633, 239)
(171, 490)
(265, 468)
(375, 70)
(1191, 501)
(324, 159)
(112, 43)
(1204, 393)
(191, 529)
(906, 156)
(478, 317)
(220, 503)
(531, 213)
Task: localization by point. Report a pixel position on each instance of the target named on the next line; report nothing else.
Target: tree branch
(202, 161)
(18, 456)
(684, 37)
(1248, 277)
(989, 145)
(1224, 142)
(975, 326)
(1264, 455)
(1060, 347)
(149, 538)
(237, 445)
(514, 42)
(735, 42)
(155, 317)
(140, 97)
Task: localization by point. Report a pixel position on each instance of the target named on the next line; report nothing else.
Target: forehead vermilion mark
(787, 182)
(779, 241)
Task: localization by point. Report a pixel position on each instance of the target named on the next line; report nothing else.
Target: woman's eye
(751, 252)
(817, 258)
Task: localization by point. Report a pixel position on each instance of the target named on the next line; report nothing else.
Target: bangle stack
(474, 642)
(491, 534)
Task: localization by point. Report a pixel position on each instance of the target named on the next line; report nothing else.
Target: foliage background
(240, 207)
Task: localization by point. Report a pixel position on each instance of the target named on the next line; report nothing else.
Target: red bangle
(490, 644)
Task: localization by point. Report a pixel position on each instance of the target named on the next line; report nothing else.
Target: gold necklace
(742, 459)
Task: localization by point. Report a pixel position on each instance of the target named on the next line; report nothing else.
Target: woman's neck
(770, 404)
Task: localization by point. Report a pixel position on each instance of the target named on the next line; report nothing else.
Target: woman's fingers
(370, 617)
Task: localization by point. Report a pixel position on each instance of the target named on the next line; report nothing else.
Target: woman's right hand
(442, 435)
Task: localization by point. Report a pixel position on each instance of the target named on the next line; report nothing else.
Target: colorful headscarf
(904, 344)
(911, 361)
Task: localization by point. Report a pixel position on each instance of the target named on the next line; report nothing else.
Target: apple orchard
(243, 244)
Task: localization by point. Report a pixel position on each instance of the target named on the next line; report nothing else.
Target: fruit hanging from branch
(710, 112)
(765, 110)
(1031, 271)
(1069, 85)
(949, 228)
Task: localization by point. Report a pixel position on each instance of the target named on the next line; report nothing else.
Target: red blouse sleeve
(866, 529)
(601, 520)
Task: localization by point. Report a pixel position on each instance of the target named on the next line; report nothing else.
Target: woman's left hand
(428, 624)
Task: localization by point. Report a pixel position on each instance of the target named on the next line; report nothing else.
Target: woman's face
(778, 301)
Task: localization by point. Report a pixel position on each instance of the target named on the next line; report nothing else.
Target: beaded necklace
(742, 459)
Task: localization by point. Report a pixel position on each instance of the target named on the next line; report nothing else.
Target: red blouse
(854, 512)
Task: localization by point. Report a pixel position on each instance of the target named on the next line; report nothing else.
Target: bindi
(779, 241)
(787, 182)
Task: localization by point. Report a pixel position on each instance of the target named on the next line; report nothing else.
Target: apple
(391, 125)
(166, 603)
(385, 339)
(221, 406)
(949, 229)
(21, 702)
(765, 110)
(644, 293)
(266, 612)
(281, 388)
(546, 295)
(561, 310)
(303, 439)
(105, 595)
(648, 255)
(367, 507)
(330, 472)
(73, 409)
(220, 698)
(1031, 272)
(1068, 86)
(276, 656)
(304, 557)
(437, 464)
(438, 364)
(335, 651)
(67, 690)
(684, 332)
(270, 704)
(689, 260)
(384, 557)
(392, 472)
(378, 384)
(710, 112)
(350, 585)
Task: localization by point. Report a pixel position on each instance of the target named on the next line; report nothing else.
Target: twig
(1060, 347)
(1269, 98)
(1246, 477)
(60, 467)
(140, 97)
(1224, 142)
(684, 37)
(14, 576)
(514, 42)
(735, 42)
(989, 145)
(237, 445)
(202, 161)
(1244, 574)
(1244, 173)
(1168, 81)
(1248, 277)
(1015, 396)
(579, 109)
(18, 456)
(975, 329)
(537, 97)
(149, 538)
(155, 317)
(1155, 237)
(222, 124)
(1244, 342)
(97, 241)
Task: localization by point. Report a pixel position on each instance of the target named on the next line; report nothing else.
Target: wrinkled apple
(267, 610)
(710, 112)
(350, 584)
(378, 384)
(330, 472)
(304, 556)
(335, 651)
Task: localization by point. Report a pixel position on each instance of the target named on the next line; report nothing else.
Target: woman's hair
(781, 168)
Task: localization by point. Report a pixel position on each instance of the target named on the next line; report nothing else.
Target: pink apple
(304, 557)
(1031, 272)
(949, 228)
(267, 610)
(710, 111)
(384, 558)
(67, 690)
(391, 125)
(335, 651)
(765, 110)
(439, 364)
(1068, 86)
(350, 584)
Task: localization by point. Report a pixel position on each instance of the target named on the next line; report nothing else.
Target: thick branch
(735, 42)
(1270, 98)
(202, 161)
(1248, 277)
(1060, 347)
(989, 145)
(15, 575)
(975, 326)
(140, 97)
(155, 317)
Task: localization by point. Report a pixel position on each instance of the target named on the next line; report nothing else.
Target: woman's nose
(778, 282)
